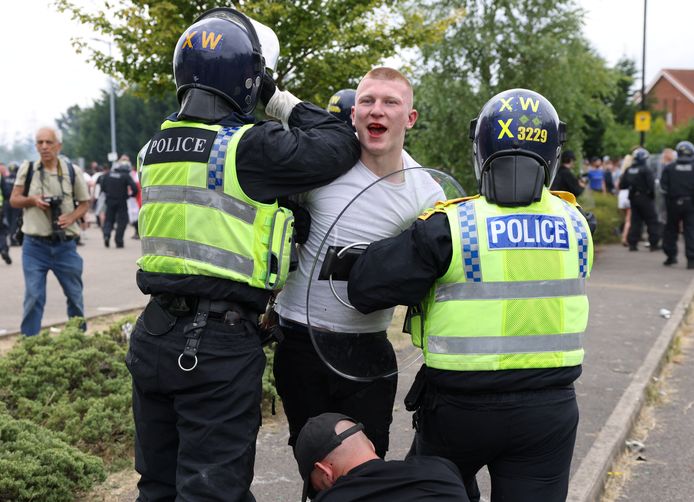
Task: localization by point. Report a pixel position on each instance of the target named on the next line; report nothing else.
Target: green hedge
(604, 206)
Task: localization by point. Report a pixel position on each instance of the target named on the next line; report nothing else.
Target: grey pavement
(665, 470)
(108, 278)
(625, 342)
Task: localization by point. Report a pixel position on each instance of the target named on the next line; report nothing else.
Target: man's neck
(50, 165)
(383, 165)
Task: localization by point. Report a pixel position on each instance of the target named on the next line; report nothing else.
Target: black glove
(267, 88)
(302, 220)
(590, 218)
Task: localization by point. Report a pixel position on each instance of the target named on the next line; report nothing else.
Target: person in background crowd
(596, 175)
(639, 180)
(623, 203)
(118, 186)
(608, 166)
(11, 213)
(677, 183)
(53, 201)
(667, 157)
(566, 180)
(5, 192)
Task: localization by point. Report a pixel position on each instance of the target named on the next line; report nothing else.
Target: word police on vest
(538, 231)
(180, 144)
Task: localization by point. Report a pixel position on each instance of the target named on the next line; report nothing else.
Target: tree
(87, 131)
(325, 44)
(499, 45)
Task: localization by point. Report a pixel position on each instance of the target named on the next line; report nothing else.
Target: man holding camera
(56, 198)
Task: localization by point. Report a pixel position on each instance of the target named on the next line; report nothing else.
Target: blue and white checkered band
(469, 242)
(215, 176)
(582, 236)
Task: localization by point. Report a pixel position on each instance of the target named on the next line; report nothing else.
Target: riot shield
(362, 356)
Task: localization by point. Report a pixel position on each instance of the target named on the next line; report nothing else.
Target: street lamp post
(113, 154)
(643, 72)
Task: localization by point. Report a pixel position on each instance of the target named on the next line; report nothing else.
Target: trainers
(6, 256)
(670, 261)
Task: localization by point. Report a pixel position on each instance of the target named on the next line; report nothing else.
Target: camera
(55, 202)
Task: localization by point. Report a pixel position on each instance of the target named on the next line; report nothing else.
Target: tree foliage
(87, 131)
(325, 44)
(499, 45)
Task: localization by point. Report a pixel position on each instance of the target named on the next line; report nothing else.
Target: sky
(41, 76)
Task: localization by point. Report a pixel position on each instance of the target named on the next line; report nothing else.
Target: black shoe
(119, 245)
(690, 265)
(107, 242)
(633, 248)
(6, 256)
(656, 247)
(136, 237)
(670, 261)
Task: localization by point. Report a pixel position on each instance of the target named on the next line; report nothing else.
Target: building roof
(682, 80)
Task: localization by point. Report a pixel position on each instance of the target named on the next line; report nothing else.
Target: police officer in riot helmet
(677, 182)
(340, 105)
(512, 358)
(638, 178)
(215, 243)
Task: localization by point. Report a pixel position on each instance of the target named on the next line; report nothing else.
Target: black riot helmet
(340, 105)
(640, 156)
(220, 53)
(685, 152)
(517, 141)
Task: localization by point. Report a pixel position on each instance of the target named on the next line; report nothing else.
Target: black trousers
(526, 439)
(643, 211)
(679, 211)
(195, 431)
(308, 388)
(116, 212)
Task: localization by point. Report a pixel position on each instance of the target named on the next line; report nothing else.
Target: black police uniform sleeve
(400, 270)
(650, 181)
(273, 162)
(665, 179)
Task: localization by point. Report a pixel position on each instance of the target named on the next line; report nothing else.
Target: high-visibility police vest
(514, 294)
(196, 219)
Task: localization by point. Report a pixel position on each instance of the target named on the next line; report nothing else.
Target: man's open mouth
(376, 130)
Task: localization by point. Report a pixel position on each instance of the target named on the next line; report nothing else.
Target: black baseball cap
(316, 440)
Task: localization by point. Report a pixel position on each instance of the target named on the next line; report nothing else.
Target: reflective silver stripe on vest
(207, 254)
(510, 290)
(504, 344)
(200, 197)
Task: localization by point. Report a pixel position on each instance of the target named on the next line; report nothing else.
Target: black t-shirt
(566, 181)
(416, 479)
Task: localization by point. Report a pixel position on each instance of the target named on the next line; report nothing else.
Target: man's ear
(326, 476)
(412, 118)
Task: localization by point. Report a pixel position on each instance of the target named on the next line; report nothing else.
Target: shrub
(604, 206)
(38, 464)
(76, 384)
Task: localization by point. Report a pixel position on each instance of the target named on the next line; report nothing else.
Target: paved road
(625, 339)
(108, 277)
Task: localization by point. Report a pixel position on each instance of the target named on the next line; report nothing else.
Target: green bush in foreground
(37, 464)
(75, 384)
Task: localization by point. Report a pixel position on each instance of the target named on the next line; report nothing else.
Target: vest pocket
(279, 248)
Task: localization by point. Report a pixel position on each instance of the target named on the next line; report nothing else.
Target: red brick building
(672, 91)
